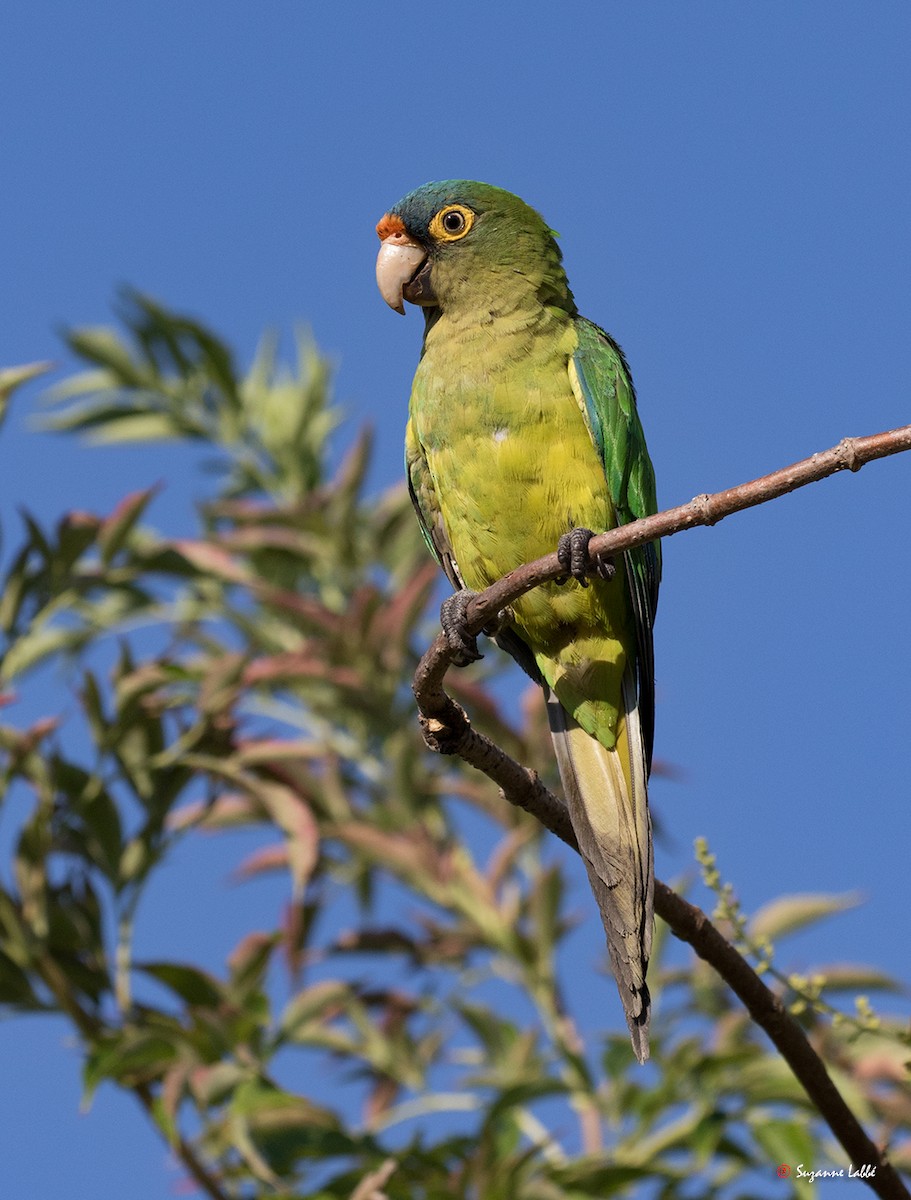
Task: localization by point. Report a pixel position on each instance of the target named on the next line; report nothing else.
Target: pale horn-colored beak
(396, 264)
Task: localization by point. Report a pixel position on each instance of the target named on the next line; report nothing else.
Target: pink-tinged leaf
(42, 728)
(173, 1087)
(79, 518)
(300, 665)
(192, 985)
(293, 816)
(270, 858)
(411, 853)
(212, 1085)
(296, 927)
(241, 510)
(221, 684)
(394, 618)
(76, 531)
(353, 466)
(320, 1002)
(210, 560)
(250, 751)
(250, 957)
(29, 739)
(309, 610)
(225, 812)
(669, 770)
(505, 853)
(116, 528)
(370, 1187)
(264, 537)
(383, 1095)
(7, 698)
(364, 602)
(376, 940)
(888, 1064)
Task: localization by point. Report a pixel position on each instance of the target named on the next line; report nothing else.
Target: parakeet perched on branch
(523, 438)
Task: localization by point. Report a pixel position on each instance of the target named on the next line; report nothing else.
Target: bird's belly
(513, 470)
(513, 466)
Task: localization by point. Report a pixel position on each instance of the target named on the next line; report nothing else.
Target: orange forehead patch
(388, 226)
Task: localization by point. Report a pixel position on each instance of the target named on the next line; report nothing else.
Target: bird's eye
(452, 223)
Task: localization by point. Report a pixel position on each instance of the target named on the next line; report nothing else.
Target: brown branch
(448, 730)
(849, 455)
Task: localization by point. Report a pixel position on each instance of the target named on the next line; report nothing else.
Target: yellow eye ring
(451, 223)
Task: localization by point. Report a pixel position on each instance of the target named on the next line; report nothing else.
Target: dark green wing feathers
(423, 497)
(610, 402)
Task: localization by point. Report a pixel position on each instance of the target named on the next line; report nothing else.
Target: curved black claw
(454, 618)
(572, 551)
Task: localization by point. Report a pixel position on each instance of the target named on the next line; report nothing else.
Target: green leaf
(106, 348)
(593, 1177)
(214, 1084)
(34, 648)
(790, 913)
(15, 989)
(787, 1144)
(314, 1003)
(188, 342)
(12, 378)
(855, 977)
(91, 816)
(249, 961)
(189, 983)
(141, 427)
(496, 1034)
(266, 1104)
(116, 528)
(283, 1127)
(520, 1094)
(128, 1057)
(15, 590)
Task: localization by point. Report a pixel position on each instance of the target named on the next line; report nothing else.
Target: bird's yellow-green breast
(514, 466)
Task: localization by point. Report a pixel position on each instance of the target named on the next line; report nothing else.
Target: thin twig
(448, 730)
(194, 1165)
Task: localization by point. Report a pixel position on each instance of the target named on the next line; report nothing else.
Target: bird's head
(461, 243)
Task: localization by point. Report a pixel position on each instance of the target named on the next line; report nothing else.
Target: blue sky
(732, 188)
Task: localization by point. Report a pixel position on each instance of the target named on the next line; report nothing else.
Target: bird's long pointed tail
(608, 806)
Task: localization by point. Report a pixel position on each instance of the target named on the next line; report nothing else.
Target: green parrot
(523, 437)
